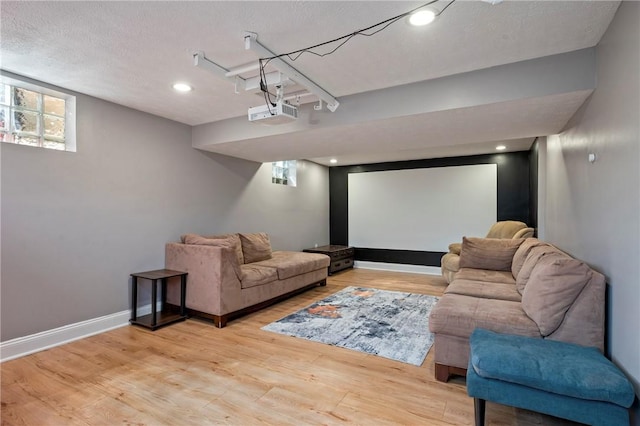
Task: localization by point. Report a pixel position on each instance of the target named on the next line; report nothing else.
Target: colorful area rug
(390, 324)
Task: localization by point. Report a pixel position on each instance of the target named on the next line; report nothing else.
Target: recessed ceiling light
(333, 161)
(501, 147)
(422, 17)
(182, 87)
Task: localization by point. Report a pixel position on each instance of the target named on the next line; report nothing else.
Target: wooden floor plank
(194, 373)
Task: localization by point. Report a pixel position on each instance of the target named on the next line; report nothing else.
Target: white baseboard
(397, 267)
(33, 343)
(22, 346)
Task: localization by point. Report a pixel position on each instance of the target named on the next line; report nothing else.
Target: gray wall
(592, 210)
(75, 225)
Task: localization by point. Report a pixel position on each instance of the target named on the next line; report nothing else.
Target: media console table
(341, 256)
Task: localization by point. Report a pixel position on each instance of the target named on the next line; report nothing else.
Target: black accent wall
(533, 185)
(516, 201)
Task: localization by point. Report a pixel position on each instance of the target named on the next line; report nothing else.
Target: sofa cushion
(255, 247)
(204, 241)
(484, 289)
(486, 275)
(254, 275)
(291, 263)
(488, 253)
(556, 367)
(234, 239)
(236, 243)
(226, 243)
(554, 285)
(535, 254)
(522, 253)
(458, 315)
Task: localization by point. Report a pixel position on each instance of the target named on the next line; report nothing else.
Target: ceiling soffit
(460, 109)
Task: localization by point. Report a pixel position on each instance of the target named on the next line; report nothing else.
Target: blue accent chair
(560, 379)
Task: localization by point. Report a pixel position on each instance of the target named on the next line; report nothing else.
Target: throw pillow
(535, 254)
(554, 285)
(488, 253)
(522, 253)
(227, 242)
(255, 247)
(236, 241)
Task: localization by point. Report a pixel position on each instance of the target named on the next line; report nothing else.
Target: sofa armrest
(213, 283)
(455, 248)
(450, 264)
(524, 233)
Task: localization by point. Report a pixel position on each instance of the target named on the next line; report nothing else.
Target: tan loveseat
(233, 274)
(524, 287)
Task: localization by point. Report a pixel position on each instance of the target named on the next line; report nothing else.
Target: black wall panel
(514, 199)
(533, 185)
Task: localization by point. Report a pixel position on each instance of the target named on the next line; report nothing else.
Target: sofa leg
(220, 320)
(442, 373)
(322, 283)
(479, 408)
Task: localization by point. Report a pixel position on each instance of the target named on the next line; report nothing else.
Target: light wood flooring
(192, 373)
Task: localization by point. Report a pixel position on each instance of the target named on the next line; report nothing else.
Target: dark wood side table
(341, 256)
(165, 316)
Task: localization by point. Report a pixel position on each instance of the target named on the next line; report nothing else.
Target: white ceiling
(131, 53)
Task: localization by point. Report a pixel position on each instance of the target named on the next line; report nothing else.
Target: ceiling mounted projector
(268, 114)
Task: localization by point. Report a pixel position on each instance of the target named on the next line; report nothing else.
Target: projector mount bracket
(284, 75)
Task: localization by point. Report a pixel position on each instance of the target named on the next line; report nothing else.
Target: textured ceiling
(130, 53)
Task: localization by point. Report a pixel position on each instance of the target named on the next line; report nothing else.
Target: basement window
(36, 116)
(284, 172)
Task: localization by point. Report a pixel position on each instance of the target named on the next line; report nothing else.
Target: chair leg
(479, 408)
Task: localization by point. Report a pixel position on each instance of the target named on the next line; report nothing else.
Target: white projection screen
(421, 209)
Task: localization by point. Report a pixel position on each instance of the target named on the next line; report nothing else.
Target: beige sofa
(524, 287)
(234, 274)
(450, 262)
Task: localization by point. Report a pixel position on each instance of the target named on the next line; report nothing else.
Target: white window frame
(69, 117)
